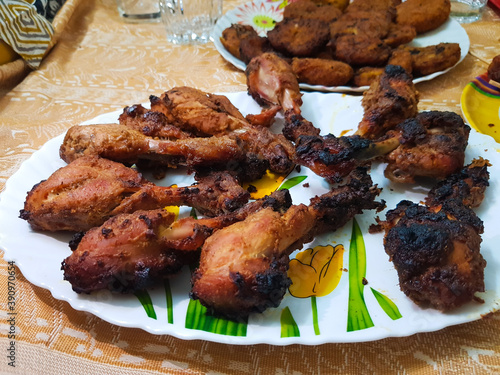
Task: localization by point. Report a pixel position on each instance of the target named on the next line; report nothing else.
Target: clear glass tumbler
(466, 11)
(139, 10)
(190, 21)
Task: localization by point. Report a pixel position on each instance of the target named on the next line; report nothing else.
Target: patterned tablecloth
(102, 64)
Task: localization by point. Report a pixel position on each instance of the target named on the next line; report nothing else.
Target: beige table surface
(101, 64)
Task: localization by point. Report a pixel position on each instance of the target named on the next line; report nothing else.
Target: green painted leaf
(291, 182)
(289, 327)
(146, 302)
(198, 318)
(170, 307)
(193, 214)
(314, 308)
(387, 305)
(358, 316)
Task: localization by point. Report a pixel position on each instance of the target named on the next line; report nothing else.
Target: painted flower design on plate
(261, 16)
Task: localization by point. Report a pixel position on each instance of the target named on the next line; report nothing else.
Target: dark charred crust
(75, 240)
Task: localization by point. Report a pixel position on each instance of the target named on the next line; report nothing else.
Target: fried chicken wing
(90, 190)
(391, 99)
(433, 146)
(436, 252)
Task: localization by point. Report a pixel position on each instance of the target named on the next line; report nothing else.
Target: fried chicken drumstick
(90, 190)
(243, 267)
(133, 251)
(122, 144)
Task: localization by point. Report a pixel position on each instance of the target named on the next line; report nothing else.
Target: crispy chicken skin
(125, 254)
(436, 252)
(214, 115)
(90, 190)
(201, 113)
(433, 145)
(467, 185)
(243, 267)
(125, 145)
(150, 123)
(390, 99)
(130, 252)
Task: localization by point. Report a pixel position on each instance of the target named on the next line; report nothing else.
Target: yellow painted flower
(173, 209)
(266, 185)
(316, 271)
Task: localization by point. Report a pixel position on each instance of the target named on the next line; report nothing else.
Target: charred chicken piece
(130, 252)
(125, 145)
(436, 252)
(243, 267)
(333, 158)
(467, 185)
(150, 123)
(391, 99)
(432, 145)
(90, 190)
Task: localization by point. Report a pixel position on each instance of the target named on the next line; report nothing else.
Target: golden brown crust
(299, 37)
(322, 72)
(435, 58)
(424, 15)
(361, 50)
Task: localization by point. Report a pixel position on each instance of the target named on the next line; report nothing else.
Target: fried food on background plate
(232, 36)
(372, 24)
(399, 34)
(435, 58)
(423, 15)
(361, 50)
(309, 10)
(322, 72)
(341, 4)
(254, 46)
(299, 37)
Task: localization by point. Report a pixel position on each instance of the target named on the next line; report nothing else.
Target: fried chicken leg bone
(122, 144)
(243, 267)
(89, 190)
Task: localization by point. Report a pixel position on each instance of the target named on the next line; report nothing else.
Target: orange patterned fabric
(101, 64)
